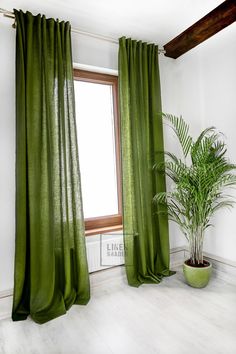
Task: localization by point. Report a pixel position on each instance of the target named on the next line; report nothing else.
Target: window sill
(103, 230)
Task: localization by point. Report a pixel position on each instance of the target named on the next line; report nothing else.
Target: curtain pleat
(51, 270)
(146, 234)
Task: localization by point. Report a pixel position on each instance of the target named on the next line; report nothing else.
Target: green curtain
(51, 270)
(146, 235)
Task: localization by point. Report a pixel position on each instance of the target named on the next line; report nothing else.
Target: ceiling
(151, 20)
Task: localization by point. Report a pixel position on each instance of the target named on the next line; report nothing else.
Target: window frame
(106, 223)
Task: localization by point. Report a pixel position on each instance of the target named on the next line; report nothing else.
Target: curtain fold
(146, 234)
(51, 270)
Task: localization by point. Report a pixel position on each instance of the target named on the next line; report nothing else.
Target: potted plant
(199, 178)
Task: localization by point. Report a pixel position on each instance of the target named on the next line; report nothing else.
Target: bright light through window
(95, 131)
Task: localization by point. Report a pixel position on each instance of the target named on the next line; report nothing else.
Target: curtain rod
(10, 14)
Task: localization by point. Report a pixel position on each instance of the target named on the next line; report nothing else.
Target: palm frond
(181, 129)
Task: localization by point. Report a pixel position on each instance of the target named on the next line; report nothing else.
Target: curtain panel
(146, 234)
(51, 270)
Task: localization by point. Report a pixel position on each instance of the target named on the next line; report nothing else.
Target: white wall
(218, 91)
(201, 85)
(188, 88)
(180, 86)
(95, 52)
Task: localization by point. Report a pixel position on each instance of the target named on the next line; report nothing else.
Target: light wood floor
(169, 318)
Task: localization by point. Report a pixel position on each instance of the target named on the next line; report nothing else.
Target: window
(99, 155)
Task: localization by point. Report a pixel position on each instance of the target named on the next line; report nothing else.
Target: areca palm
(199, 186)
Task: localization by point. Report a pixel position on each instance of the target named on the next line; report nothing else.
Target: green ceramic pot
(197, 277)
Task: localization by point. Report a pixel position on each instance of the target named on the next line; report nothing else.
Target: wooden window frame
(107, 223)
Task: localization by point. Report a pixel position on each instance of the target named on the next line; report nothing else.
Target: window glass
(96, 141)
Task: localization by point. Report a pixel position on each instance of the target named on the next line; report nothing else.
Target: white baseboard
(177, 256)
(5, 306)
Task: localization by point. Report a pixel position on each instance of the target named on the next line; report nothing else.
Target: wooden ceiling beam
(219, 18)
